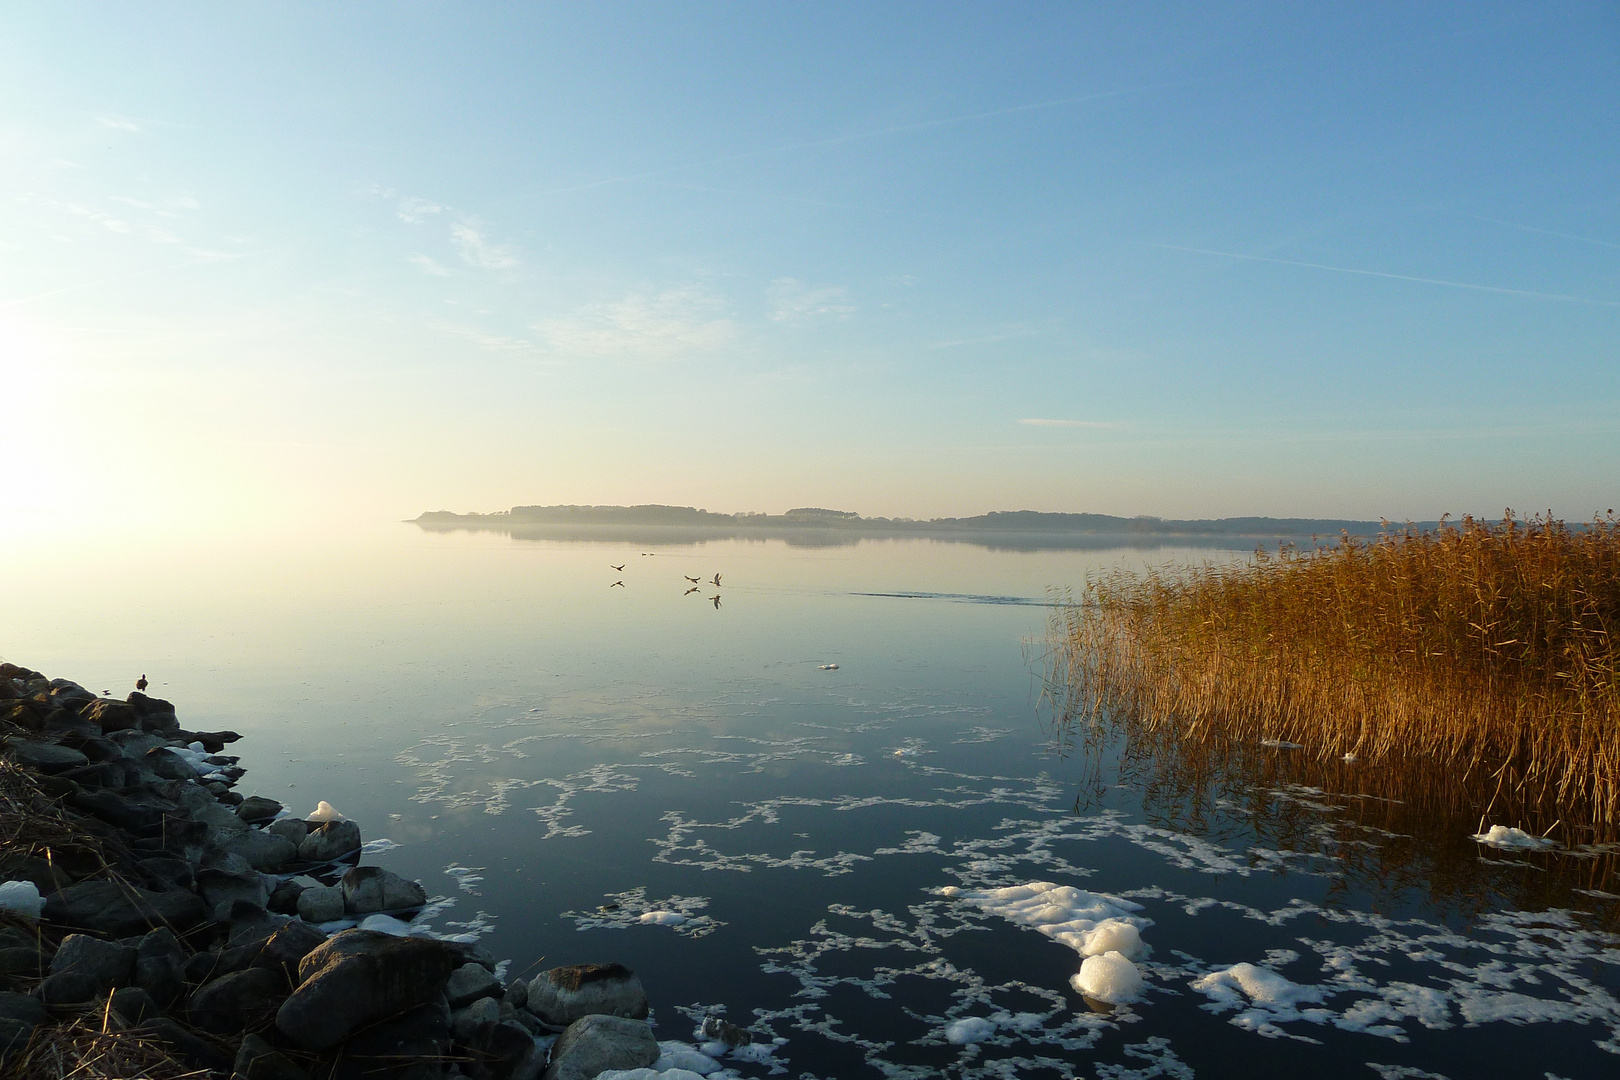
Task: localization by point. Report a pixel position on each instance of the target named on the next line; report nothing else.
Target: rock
(258, 1060)
(19, 1015)
(405, 1047)
(154, 714)
(213, 741)
(565, 994)
(360, 976)
(66, 690)
(463, 1022)
(69, 988)
(122, 910)
(241, 1000)
(131, 815)
(111, 715)
(330, 840)
(250, 923)
(468, 983)
(255, 809)
(168, 764)
(160, 966)
(98, 774)
(368, 889)
(506, 1051)
(284, 897)
(263, 850)
(222, 887)
(288, 946)
(596, 1043)
(291, 828)
(134, 744)
(27, 962)
(133, 1005)
(204, 966)
(43, 756)
(106, 962)
(321, 904)
(716, 1029)
(517, 994)
(169, 871)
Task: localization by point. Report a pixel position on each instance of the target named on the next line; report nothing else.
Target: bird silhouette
(617, 585)
(140, 683)
(717, 581)
(619, 568)
(693, 580)
(690, 591)
(716, 600)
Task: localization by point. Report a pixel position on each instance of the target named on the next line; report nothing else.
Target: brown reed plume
(1485, 651)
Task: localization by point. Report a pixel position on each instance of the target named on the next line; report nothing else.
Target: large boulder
(469, 982)
(241, 999)
(258, 1060)
(108, 962)
(563, 995)
(321, 904)
(358, 977)
(263, 850)
(594, 1044)
(154, 714)
(111, 715)
(256, 809)
(368, 889)
(223, 887)
(43, 756)
(117, 910)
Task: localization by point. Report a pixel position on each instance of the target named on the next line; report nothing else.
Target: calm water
(559, 757)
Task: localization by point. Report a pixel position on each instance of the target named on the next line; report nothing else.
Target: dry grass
(91, 1048)
(1484, 653)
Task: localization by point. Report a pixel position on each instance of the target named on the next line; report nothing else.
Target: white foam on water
(683, 914)
(1506, 838)
(971, 1029)
(1087, 922)
(661, 918)
(379, 845)
(1109, 977)
(22, 898)
(1264, 997)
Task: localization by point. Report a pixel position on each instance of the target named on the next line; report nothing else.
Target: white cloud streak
(476, 250)
(796, 303)
(668, 325)
(1397, 277)
(1039, 422)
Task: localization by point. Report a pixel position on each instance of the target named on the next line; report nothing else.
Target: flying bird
(140, 683)
(619, 568)
(617, 585)
(693, 580)
(690, 591)
(716, 600)
(717, 581)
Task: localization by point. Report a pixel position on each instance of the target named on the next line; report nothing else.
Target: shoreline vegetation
(1471, 668)
(1027, 530)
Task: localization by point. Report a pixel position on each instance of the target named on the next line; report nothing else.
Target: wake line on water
(965, 598)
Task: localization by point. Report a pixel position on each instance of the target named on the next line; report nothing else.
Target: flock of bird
(697, 582)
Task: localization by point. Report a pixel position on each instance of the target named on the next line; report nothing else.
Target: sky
(268, 261)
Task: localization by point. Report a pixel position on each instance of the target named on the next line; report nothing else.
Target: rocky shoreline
(149, 910)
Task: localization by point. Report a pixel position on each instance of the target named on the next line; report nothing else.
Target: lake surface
(586, 771)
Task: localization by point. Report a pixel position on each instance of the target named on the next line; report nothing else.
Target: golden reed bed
(1481, 653)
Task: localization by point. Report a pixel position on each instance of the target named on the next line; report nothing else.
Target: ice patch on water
(683, 914)
(1506, 838)
(378, 846)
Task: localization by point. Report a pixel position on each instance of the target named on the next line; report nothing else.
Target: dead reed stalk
(1487, 649)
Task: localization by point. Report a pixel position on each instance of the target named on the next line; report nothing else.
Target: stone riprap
(145, 891)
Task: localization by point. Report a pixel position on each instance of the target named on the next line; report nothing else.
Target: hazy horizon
(1188, 261)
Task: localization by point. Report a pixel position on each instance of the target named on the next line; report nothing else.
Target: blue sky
(1338, 260)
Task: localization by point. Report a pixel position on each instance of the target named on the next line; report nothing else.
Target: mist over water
(587, 771)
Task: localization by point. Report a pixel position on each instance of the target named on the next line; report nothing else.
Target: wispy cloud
(1040, 422)
(429, 265)
(411, 209)
(117, 123)
(477, 250)
(1397, 277)
(667, 325)
(794, 302)
(1550, 232)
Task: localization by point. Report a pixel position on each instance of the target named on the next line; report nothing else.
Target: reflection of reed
(1469, 671)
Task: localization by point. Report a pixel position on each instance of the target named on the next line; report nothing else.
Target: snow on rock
(21, 897)
(1510, 839)
(969, 1029)
(326, 812)
(1109, 977)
